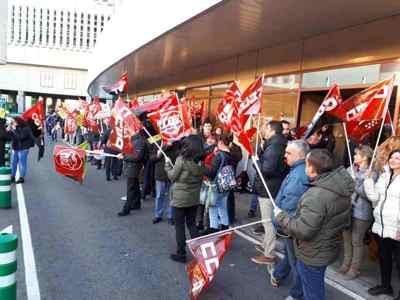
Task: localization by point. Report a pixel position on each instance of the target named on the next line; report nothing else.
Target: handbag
(225, 180)
(211, 195)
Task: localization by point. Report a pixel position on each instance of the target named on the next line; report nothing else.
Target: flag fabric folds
(250, 100)
(36, 113)
(208, 254)
(70, 162)
(171, 119)
(121, 86)
(227, 106)
(329, 105)
(124, 124)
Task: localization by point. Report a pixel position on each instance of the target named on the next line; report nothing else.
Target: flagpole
(226, 230)
(263, 181)
(258, 131)
(158, 146)
(348, 149)
(389, 96)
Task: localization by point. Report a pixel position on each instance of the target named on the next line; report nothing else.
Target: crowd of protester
(319, 207)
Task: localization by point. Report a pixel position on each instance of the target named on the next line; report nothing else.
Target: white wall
(3, 31)
(39, 79)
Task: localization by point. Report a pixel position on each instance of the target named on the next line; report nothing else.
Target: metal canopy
(237, 26)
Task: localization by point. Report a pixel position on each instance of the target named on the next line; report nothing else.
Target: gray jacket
(361, 206)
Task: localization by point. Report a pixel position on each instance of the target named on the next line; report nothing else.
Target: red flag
(121, 86)
(198, 110)
(171, 120)
(133, 103)
(69, 161)
(250, 100)
(227, 105)
(330, 104)
(242, 136)
(70, 124)
(353, 108)
(208, 254)
(91, 111)
(124, 124)
(36, 113)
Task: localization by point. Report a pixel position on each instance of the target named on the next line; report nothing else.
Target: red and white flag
(227, 106)
(208, 254)
(36, 113)
(330, 104)
(124, 124)
(172, 121)
(69, 161)
(121, 86)
(251, 99)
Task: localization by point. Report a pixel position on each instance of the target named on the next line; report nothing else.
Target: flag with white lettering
(36, 113)
(227, 106)
(124, 124)
(70, 162)
(251, 99)
(208, 254)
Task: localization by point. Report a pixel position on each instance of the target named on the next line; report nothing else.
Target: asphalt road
(83, 250)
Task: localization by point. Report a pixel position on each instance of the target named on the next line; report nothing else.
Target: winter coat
(361, 205)
(22, 138)
(323, 212)
(186, 177)
(172, 152)
(134, 162)
(292, 188)
(385, 197)
(272, 166)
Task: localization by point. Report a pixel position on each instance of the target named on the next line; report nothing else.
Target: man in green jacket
(323, 212)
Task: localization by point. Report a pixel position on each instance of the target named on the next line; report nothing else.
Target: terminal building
(301, 46)
(45, 47)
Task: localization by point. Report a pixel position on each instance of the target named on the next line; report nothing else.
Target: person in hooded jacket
(22, 140)
(385, 197)
(186, 178)
(323, 212)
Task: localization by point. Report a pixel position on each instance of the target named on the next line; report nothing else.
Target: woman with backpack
(222, 177)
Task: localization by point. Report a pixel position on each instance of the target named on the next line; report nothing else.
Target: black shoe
(200, 227)
(380, 290)
(157, 220)
(135, 207)
(178, 258)
(115, 178)
(171, 222)
(251, 214)
(224, 227)
(108, 179)
(123, 213)
(20, 180)
(12, 179)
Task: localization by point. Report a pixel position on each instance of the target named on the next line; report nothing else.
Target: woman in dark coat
(4, 137)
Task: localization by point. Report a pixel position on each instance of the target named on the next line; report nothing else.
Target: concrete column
(37, 27)
(21, 102)
(23, 25)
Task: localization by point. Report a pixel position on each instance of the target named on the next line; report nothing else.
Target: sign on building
(3, 30)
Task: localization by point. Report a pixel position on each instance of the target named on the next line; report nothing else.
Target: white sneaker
(123, 198)
(290, 298)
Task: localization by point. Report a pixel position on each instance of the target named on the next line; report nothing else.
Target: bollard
(7, 154)
(5, 187)
(8, 266)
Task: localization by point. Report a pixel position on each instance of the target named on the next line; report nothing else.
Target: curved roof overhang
(159, 38)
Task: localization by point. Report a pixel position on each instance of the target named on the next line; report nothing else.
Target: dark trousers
(388, 249)
(112, 165)
(182, 215)
(231, 207)
(149, 180)
(132, 194)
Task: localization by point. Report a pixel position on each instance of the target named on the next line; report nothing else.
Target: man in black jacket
(134, 164)
(273, 168)
(111, 164)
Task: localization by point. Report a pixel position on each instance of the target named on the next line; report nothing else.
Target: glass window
(345, 76)
(283, 83)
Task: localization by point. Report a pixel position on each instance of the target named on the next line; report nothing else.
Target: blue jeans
(162, 199)
(254, 202)
(312, 281)
(287, 264)
(219, 210)
(19, 157)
